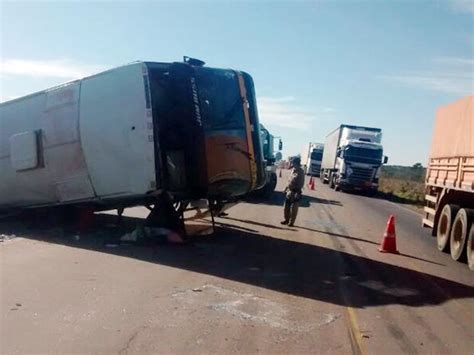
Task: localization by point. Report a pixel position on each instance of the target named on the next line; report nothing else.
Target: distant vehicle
(121, 137)
(352, 158)
(268, 146)
(311, 158)
(449, 196)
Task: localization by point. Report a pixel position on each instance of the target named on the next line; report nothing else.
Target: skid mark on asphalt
(247, 307)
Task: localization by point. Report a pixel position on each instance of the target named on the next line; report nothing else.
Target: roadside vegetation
(403, 184)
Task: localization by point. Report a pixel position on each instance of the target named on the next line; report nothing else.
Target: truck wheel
(324, 178)
(331, 181)
(459, 232)
(470, 248)
(274, 181)
(445, 223)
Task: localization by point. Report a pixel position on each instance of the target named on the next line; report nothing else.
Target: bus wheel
(470, 248)
(459, 233)
(445, 223)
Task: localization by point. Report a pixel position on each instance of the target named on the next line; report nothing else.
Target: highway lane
(421, 287)
(253, 287)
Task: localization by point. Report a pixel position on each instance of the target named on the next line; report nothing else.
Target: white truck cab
(353, 158)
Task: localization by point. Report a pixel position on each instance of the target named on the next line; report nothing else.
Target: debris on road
(138, 233)
(111, 245)
(6, 237)
(152, 234)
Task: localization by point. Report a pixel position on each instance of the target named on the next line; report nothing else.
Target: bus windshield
(220, 100)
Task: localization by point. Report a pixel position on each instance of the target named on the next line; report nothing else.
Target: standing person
(293, 192)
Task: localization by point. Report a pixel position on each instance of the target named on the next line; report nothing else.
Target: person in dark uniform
(293, 192)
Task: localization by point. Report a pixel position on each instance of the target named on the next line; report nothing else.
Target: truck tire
(445, 222)
(272, 184)
(470, 248)
(331, 181)
(459, 233)
(324, 178)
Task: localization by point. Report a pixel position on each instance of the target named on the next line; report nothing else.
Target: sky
(316, 64)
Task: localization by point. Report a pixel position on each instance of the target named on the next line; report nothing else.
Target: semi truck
(268, 148)
(449, 209)
(352, 158)
(124, 136)
(311, 157)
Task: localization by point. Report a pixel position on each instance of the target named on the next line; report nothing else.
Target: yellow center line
(354, 330)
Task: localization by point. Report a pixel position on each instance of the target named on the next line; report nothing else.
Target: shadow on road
(260, 224)
(386, 196)
(363, 240)
(277, 198)
(286, 266)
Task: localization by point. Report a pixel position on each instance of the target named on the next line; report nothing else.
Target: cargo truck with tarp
(124, 136)
(449, 209)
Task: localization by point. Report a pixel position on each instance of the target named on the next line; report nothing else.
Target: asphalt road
(253, 286)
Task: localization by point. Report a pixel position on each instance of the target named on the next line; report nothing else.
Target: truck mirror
(280, 145)
(385, 159)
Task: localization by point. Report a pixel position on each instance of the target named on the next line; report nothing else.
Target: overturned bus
(121, 137)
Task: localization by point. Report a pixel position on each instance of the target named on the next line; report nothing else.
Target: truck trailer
(311, 157)
(122, 137)
(352, 158)
(449, 209)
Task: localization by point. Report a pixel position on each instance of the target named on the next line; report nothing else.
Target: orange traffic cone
(389, 241)
(280, 172)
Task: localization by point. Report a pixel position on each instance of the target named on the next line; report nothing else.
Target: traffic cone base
(389, 245)
(389, 241)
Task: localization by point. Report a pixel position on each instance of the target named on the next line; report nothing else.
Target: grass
(404, 191)
(403, 184)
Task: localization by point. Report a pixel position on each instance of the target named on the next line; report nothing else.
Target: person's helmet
(296, 161)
